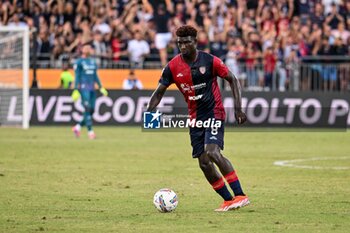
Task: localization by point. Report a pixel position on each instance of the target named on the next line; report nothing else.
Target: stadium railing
(310, 73)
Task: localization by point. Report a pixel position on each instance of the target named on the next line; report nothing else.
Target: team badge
(202, 69)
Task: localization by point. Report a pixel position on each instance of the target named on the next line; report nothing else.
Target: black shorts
(202, 136)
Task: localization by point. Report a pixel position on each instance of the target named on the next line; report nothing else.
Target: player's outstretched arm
(156, 97)
(236, 92)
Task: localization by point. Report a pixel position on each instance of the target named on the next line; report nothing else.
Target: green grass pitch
(52, 182)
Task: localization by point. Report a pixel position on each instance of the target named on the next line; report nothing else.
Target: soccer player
(194, 73)
(85, 79)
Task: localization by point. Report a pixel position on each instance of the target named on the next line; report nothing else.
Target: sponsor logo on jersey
(185, 87)
(199, 86)
(179, 75)
(195, 97)
(213, 138)
(88, 67)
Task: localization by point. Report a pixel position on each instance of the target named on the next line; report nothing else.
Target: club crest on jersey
(202, 69)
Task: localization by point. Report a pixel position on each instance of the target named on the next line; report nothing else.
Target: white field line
(293, 163)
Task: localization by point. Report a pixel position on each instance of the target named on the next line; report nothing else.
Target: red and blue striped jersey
(198, 84)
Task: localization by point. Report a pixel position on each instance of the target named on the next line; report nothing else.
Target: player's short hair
(186, 30)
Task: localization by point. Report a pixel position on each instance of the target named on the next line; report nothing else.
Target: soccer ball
(165, 200)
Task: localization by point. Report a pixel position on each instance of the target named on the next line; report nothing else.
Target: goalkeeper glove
(75, 95)
(103, 91)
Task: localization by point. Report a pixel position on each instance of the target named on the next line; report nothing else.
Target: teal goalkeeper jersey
(86, 74)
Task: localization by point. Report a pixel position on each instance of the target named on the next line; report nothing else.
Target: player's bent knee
(205, 165)
(204, 162)
(214, 155)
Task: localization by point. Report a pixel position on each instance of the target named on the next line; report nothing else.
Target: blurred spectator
(333, 17)
(118, 46)
(180, 12)
(303, 7)
(252, 54)
(66, 77)
(43, 47)
(344, 10)
(327, 68)
(280, 69)
(341, 32)
(101, 52)
(218, 46)
(101, 26)
(138, 49)
(343, 68)
(202, 41)
(327, 32)
(201, 13)
(16, 21)
(69, 14)
(329, 4)
(293, 64)
(161, 18)
(317, 15)
(234, 63)
(269, 66)
(132, 82)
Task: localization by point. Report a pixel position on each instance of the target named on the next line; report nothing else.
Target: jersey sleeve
(220, 69)
(77, 72)
(167, 77)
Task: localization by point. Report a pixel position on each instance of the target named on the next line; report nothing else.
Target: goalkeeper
(85, 78)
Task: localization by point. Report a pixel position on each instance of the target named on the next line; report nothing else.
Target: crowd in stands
(259, 40)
